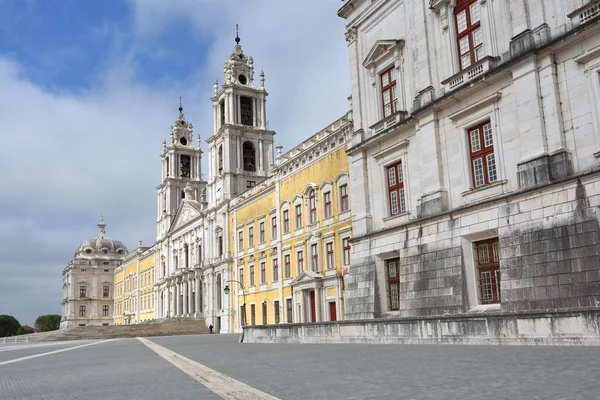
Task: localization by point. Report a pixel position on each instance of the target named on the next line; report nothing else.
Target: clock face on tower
(183, 141)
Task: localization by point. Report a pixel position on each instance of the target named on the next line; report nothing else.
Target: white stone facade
(496, 140)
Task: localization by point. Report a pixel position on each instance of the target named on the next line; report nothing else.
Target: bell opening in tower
(246, 110)
(249, 156)
(186, 164)
(222, 112)
(220, 159)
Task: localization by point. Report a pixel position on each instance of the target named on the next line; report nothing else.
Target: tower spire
(237, 36)
(180, 106)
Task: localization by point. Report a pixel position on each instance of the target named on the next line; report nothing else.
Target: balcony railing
(585, 13)
(470, 73)
(388, 122)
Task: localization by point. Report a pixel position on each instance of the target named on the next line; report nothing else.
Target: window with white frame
(314, 255)
(263, 273)
(286, 221)
(273, 228)
(344, 204)
(287, 266)
(252, 276)
(241, 276)
(396, 192)
(469, 34)
(251, 236)
(312, 206)
(346, 250)
(261, 232)
(481, 154)
(330, 255)
(241, 241)
(327, 212)
(275, 270)
(298, 216)
(299, 261)
(388, 91)
(392, 277)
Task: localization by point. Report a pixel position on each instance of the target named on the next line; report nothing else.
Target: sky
(88, 90)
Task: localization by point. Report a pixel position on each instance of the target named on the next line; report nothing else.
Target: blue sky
(88, 90)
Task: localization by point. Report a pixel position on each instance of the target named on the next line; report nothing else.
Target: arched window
(249, 156)
(220, 158)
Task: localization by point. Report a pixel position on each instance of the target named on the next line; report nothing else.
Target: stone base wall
(581, 327)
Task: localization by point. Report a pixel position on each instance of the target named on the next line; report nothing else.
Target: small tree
(8, 325)
(49, 322)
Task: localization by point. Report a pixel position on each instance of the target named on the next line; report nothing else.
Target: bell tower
(181, 173)
(241, 147)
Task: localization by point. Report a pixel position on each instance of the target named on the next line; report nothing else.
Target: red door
(332, 314)
(313, 313)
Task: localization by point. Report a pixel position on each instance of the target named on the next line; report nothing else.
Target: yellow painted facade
(134, 279)
(289, 233)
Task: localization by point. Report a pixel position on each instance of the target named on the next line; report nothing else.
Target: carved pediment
(186, 213)
(380, 49)
(308, 276)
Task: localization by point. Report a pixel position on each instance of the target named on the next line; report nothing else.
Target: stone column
(197, 297)
(176, 300)
(190, 297)
(302, 302)
(185, 296)
(167, 305)
(318, 305)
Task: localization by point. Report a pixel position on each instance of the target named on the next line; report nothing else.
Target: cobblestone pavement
(127, 369)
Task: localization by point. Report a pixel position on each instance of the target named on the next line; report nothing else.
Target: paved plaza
(217, 366)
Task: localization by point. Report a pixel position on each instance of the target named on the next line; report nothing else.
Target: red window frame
(468, 35)
(286, 221)
(481, 152)
(327, 205)
(387, 80)
(392, 277)
(314, 250)
(273, 227)
(298, 216)
(251, 236)
(275, 270)
(312, 205)
(487, 260)
(344, 206)
(300, 261)
(287, 266)
(346, 247)
(396, 192)
(330, 255)
(252, 275)
(263, 273)
(241, 241)
(261, 232)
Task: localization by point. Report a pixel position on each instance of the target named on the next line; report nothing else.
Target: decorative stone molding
(586, 13)
(470, 73)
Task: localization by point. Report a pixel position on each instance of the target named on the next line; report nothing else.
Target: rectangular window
(298, 216)
(276, 309)
(300, 263)
(263, 273)
(468, 31)
(395, 183)
(253, 314)
(82, 311)
(388, 92)
(199, 254)
(243, 314)
(250, 184)
(487, 261)
(251, 275)
(275, 270)
(246, 112)
(392, 277)
(312, 205)
(344, 206)
(264, 313)
(105, 291)
(346, 248)
(314, 250)
(251, 236)
(288, 266)
(261, 232)
(330, 256)
(242, 277)
(286, 221)
(288, 311)
(240, 241)
(327, 205)
(220, 246)
(481, 154)
(273, 228)
(82, 291)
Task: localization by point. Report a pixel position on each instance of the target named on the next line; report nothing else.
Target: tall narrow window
(105, 291)
(488, 270)
(199, 254)
(240, 241)
(263, 273)
(298, 216)
(392, 277)
(468, 32)
(275, 270)
(246, 110)
(289, 311)
(176, 262)
(251, 236)
(276, 309)
(330, 256)
(388, 92)
(186, 166)
(346, 249)
(286, 221)
(273, 228)
(241, 276)
(481, 150)
(220, 158)
(251, 275)
(327, 205)
(82, 311)
(220, 246)
(264, 313)
(314, 249)
(186, 253)
(83, 291)
(344, 206)
(300, 262)
(261, 232)
(249, 156)
(243, 314)
(253, 314)
(287, 266)
(222, 111)
(312, 206)
(396, 193)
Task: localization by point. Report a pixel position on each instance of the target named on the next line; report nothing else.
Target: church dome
(101, 245)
